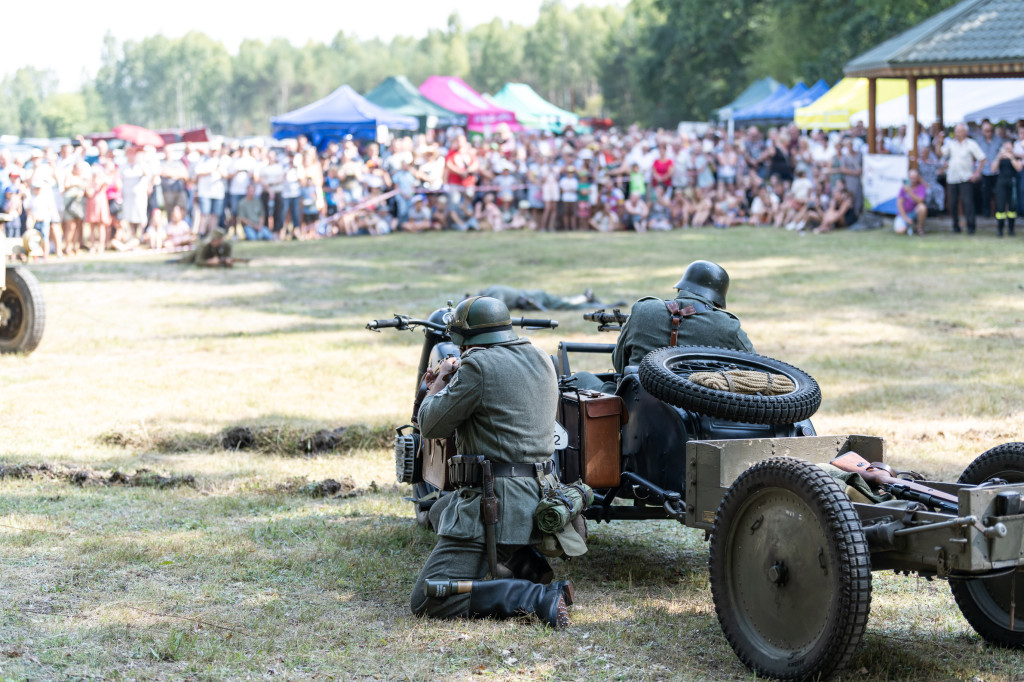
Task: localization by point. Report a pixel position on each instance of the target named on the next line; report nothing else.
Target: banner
(883, 176)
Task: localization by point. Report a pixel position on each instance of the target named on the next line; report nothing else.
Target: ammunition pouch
(465, 470)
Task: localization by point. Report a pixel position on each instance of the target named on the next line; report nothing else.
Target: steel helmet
(481, 321)
(706, 279)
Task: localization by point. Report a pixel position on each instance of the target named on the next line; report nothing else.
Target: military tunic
(649, 327)
(501, 403)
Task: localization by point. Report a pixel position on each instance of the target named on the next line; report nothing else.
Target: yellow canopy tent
(832, 110)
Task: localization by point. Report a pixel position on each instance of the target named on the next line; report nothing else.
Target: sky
(63, 36)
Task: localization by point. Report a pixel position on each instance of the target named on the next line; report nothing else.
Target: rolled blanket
(561, 505)
(745, 381)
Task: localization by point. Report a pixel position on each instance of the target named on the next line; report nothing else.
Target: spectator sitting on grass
(179, 233)
(911, 206)
(634, 213)
(705, 206)
(252, 217)
(488, 215)
(156, 231)
(840, 212)
(418, 218)
(460, 213)
(604, 220)
(661, 210)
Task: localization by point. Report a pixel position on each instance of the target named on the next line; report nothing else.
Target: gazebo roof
(970, 39)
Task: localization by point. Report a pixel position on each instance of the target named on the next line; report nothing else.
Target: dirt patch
(303, 442)
(272, 440)
(142, 478)
(328, 487)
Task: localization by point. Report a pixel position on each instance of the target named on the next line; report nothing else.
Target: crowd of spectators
(92, 197)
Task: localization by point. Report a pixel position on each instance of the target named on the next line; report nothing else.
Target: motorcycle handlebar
(374, 325)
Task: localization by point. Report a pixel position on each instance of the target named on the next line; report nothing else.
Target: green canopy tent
(532, 110)
(397, 94)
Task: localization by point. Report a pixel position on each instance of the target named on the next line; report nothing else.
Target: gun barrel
(537, 323)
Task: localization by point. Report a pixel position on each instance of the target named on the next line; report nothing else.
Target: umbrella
(137, 135)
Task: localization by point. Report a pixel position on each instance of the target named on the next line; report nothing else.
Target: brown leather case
(593, 421)
(435, 453)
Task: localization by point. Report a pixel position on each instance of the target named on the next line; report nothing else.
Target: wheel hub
(5, 314)
(778, 574)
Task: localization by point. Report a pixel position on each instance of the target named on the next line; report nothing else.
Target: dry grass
(249, 574)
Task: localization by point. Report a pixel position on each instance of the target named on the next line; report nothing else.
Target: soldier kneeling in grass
(500, 400)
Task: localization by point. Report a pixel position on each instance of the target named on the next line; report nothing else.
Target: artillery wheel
(665, 372)
(420, 490)
(790, 570)
(22, 312)
(988, 603)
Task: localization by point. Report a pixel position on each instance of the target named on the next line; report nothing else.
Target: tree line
(654, 62)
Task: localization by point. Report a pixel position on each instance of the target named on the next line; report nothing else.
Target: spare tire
(664, 374)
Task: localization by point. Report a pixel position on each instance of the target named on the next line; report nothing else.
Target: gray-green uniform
(540, 299)
(207, 250)
(649, 327)
(501, 403)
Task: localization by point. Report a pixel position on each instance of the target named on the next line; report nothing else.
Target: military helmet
(481, 321)
(706, 279)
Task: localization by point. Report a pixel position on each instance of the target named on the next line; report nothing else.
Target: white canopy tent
(960, 97)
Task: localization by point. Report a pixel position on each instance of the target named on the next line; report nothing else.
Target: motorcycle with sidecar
(791, 554)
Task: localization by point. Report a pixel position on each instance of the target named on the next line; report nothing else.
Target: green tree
(496, 55)
(64, 114)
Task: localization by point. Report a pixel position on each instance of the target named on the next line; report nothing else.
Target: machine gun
(881, 476)
(607, 322)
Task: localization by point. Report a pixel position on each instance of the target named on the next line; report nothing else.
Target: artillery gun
(22, 309)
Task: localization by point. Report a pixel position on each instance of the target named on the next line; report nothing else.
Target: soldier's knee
(418, 601)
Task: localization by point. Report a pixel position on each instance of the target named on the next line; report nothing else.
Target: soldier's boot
(567, 589)
(511, 598)
(507, 598)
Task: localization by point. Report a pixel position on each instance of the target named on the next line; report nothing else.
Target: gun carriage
(791, 554)
(22, 310)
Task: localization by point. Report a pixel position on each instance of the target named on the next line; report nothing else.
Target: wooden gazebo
(972, 39)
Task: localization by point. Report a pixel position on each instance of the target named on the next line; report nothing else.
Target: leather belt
(521, 469)
(464, 470)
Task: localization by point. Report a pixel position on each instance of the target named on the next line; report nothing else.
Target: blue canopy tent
(766, 109)
(343, 112)
(787, 110)
(755, 92)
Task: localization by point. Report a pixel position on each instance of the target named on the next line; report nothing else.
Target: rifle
(880, 476)
(607, 322)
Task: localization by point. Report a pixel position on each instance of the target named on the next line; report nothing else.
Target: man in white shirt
(240, 173)
(965, 161)
(211, 187)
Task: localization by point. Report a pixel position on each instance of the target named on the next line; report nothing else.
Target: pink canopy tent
(454, 95)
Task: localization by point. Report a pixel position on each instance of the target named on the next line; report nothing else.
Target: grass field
(247, 573)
